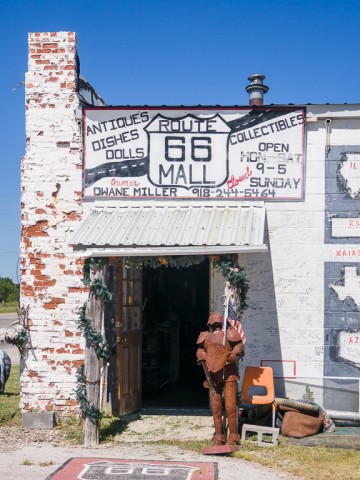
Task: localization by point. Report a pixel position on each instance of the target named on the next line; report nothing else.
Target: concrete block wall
(296, 322)
(51, 204)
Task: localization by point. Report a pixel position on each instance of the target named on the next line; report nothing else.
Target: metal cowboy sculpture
(218, 351)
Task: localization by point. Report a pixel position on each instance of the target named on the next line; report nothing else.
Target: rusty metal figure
(218, 352)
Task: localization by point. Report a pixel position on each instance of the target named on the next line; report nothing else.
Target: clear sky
(170, 52)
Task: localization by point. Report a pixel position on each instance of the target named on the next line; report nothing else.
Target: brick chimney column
(51, 204)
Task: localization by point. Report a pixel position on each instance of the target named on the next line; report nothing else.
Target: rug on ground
(90, 468)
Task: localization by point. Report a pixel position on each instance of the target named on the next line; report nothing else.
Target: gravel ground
(35, 454)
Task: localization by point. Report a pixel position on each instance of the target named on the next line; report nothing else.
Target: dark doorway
(175, 311)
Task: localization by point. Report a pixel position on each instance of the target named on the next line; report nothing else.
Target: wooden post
(94, 312)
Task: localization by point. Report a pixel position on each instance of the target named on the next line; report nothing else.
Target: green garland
(234, 274)
(176, 261)
(91, 264)
(226, 264)
(87, 410)
(100, 290)
(95, 338)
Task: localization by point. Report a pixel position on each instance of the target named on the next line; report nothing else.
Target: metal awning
(168, 230)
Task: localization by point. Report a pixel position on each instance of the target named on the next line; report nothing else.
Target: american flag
(235, 321)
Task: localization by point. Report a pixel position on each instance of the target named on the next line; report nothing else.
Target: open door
(176, 309)
(128, 330)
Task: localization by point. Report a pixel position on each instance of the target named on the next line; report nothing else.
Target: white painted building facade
(303, 318)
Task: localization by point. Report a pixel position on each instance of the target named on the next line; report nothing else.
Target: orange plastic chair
(258, 388)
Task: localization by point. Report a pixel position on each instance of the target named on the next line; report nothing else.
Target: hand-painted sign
(349, 347)
(135, 471)
(89, 468)
(223, 153)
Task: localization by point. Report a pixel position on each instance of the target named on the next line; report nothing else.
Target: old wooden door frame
(128, 338)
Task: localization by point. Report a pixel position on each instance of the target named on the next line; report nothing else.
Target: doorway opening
(175, 311)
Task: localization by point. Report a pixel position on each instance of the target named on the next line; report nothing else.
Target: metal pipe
(348, 416)
(256, 89)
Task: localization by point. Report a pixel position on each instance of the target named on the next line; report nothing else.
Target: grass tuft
(46, 464)
(71, 429)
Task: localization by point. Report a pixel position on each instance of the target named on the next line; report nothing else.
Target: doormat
(90, 468)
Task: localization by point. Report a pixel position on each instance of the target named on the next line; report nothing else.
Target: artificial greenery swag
(86, 409)
(95, 338)
(226, 264)
(176, 261)
(234, 274)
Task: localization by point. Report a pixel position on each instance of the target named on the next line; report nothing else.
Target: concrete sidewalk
(35, 454)
(31, 462)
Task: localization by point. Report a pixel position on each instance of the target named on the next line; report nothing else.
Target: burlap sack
(299, 425)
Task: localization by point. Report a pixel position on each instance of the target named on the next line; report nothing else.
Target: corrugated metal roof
(145, 229)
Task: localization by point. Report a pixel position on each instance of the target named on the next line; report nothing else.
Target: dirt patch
(16, 436)
(152, 428)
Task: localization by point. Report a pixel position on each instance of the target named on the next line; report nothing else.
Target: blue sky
(158, 52)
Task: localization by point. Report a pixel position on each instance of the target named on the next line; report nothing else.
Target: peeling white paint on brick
(51, 276)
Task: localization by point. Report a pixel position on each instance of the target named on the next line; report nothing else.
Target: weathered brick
(49, 306)
(57, 300)
(51, 67)
(47, 211)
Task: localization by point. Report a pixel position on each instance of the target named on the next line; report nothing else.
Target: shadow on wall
(260, 319)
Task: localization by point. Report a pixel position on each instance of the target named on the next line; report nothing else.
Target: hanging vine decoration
(226, 264)
(87, 410)
(234, 274)
(176, 261)
(90, 264)
(96, 339)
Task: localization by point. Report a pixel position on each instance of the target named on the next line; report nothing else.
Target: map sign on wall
(342, 278)
(342, 273)
(209, 153)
